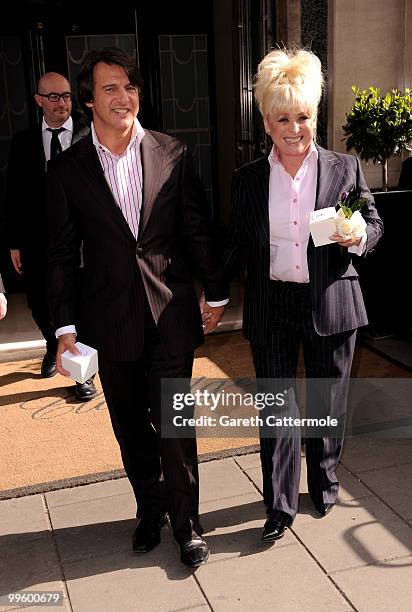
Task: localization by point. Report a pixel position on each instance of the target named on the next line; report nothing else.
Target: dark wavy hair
(108, 55)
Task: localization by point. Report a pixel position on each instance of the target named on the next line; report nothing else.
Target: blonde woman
(297, 295)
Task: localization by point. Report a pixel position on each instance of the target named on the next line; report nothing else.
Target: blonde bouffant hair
(289, 79)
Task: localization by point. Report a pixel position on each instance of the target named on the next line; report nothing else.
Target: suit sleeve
(198, 234)
(234, 253)
(374, 224)
(63, 252)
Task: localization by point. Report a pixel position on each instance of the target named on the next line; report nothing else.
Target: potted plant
(379, 125)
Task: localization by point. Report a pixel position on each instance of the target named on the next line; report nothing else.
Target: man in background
(29, 155)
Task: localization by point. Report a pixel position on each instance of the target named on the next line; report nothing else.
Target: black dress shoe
(86, 391)
(147, 533)
(324, 509)
(275, 526)
(194, 552)
(48, 366)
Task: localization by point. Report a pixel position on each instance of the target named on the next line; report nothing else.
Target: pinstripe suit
(139, 308)
(322, 316)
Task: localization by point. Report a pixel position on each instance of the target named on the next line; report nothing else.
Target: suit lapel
(39, 147)
(259, 195)
(330, 179)
(90, 168)
(153, 156)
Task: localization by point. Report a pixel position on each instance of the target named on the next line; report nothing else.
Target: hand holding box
(322, 224)
(81, 367)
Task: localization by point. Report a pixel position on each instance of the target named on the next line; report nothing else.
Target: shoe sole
(146, 549)
(86, 399)
(49, 375)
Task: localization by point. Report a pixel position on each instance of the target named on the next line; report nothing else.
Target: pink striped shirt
(123, 174)
(291, 200)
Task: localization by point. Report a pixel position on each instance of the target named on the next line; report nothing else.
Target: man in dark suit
(298, 295)
(30, 152)
(132, 197)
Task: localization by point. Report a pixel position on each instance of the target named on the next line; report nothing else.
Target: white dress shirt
(65, 137)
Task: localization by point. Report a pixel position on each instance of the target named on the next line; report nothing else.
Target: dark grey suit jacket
(336, 297)
(174, 241)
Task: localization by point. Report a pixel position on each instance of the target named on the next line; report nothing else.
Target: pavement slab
(383, 587)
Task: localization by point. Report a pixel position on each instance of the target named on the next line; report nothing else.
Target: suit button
(139, 251)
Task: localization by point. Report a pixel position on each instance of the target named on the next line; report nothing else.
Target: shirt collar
(274, 158)
(67, 125)
(137, 134)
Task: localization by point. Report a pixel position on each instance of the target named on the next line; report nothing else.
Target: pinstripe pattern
(322, 316)
(325, 357)
(124, 176)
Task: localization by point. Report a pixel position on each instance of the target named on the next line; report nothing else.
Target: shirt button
(294, 201)
(295, 223)
(296, 244)
(297, 267)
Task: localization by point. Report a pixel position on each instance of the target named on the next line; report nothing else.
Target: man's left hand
(348, 241)
(211, 316)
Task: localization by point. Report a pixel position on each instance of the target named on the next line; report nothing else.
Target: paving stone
(384, 587)
(98, 490)
(23, 515)
(355, 533)
(363, 453)
(394, 486)
(128, 582)
(280, 578)
(29, 564)
(94, 527)
(222, 479)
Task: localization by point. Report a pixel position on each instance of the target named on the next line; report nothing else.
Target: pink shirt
(123, 174)
(291, 200)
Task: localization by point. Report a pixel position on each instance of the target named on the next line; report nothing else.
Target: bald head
(53, 81)
(54, 113)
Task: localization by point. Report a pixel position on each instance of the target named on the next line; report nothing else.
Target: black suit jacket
(336, 297)
(174, 241)
(405, 179)
(26, 217)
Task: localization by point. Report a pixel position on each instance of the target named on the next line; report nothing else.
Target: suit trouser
(324, 357)
(163, 472)
(35, 275)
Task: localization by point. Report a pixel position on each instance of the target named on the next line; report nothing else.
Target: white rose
(358, 223)
(353, 227)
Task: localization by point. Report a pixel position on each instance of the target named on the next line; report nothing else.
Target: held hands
(348, 241)
(3, 306)
(16, 259)
(211, 316)
(66, 343)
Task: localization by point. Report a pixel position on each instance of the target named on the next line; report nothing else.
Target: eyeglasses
(55, 97)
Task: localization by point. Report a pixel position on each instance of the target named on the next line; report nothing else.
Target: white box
(81, 367)
(322, 225)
